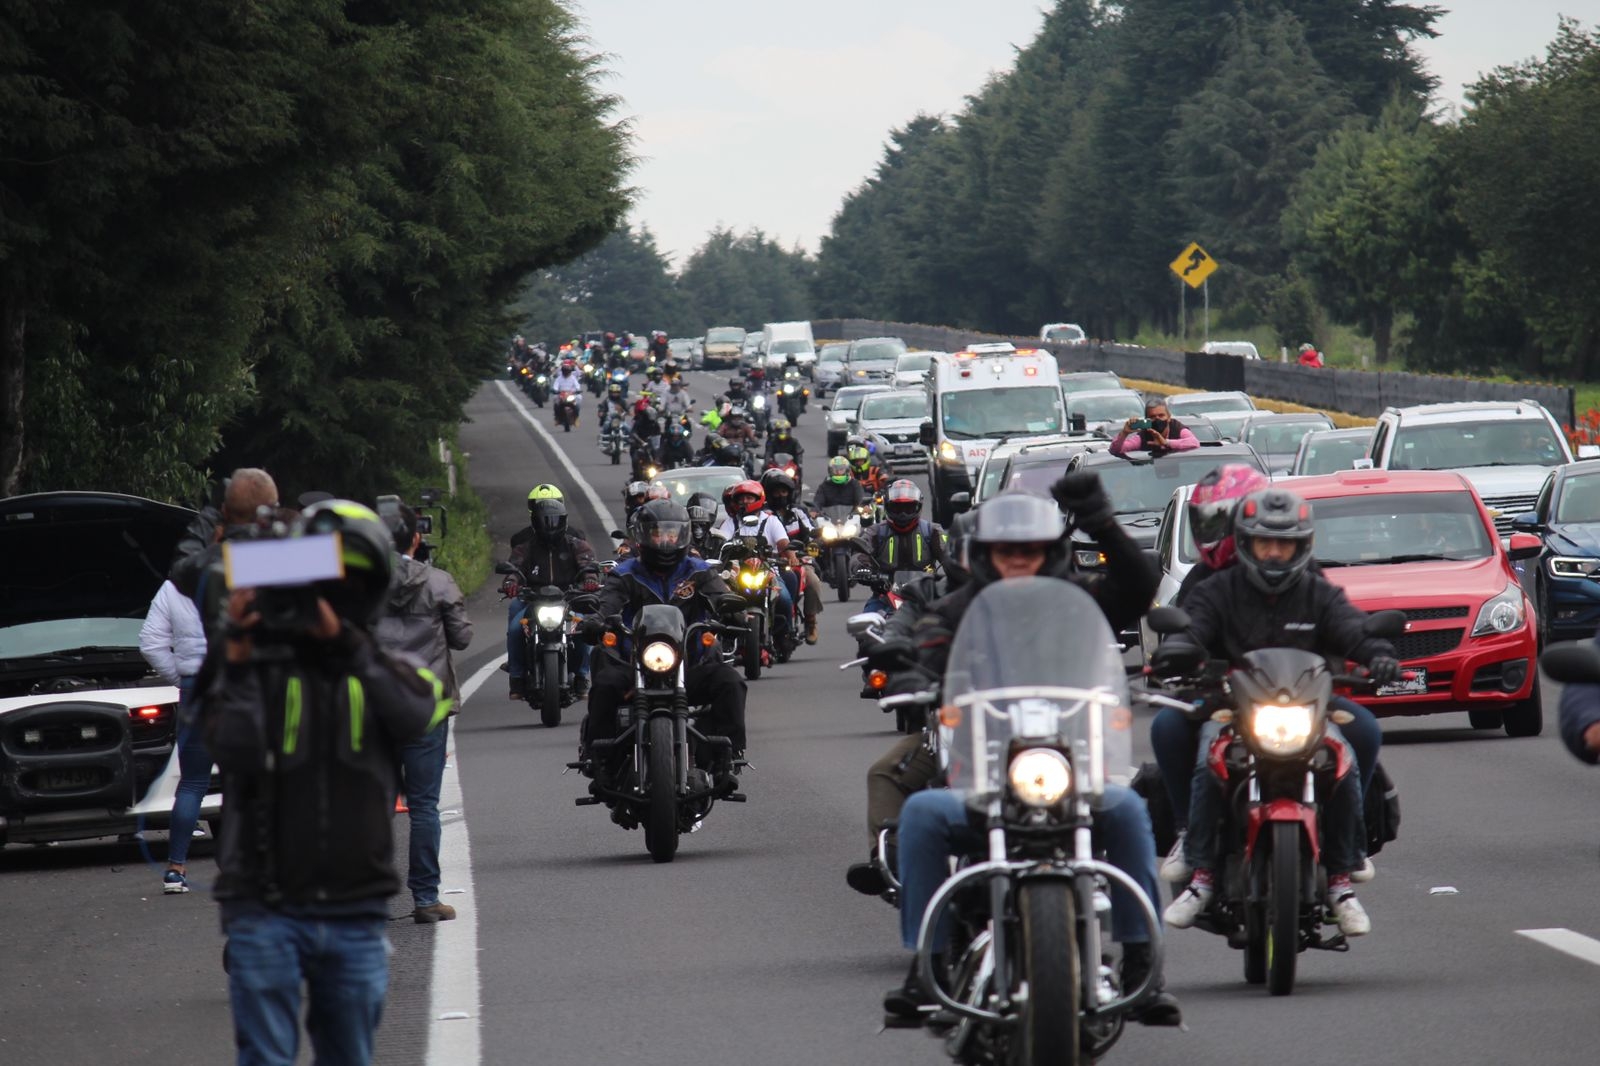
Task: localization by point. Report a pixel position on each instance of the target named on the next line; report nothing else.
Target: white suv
(1505, 449)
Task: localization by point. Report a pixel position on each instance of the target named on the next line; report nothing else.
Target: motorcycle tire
(750, 651)
(1283, 908)
(661, 819)
(550, 689)
(841, 579)
(1049, 958)
(616, 458)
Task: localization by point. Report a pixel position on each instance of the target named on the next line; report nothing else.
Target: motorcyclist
(839, 488)
(547, 553)
(736, 426)
(864, 466)
(659, 345)
(569, 381)
(902, 541)
(1273, 599)
(676, 403)
(664, 572)
(781, 492)
(646, 427)
(781, 440)
(702, 507)
(1020, 535)
(748, 500)
(737, 392)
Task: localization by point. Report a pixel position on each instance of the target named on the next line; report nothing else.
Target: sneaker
(580, 686)
(433, 912)
(1366, 872)
(1351, 915)
(174, 883)
(1191, 902)
(1175, 870)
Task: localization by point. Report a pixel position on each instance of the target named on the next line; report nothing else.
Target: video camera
(388, 508)
(284, 566)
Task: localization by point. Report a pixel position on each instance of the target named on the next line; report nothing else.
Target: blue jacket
(1580, 709)
(693, 587)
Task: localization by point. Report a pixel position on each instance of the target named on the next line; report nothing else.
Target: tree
(622, 283)
(745, 280)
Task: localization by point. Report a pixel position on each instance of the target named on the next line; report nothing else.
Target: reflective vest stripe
(291, 715)
(358, 711)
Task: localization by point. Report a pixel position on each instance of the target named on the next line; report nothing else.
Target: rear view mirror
(1077, 424)
(617, 534)
(1572, 664)
(504, 568)
(1524, 546)
(961, 501)
(859, 624)
(1527, 522)
(1385, 624)
(1589, 451)
(1361, 464)
(925, 435)
(1168, 620)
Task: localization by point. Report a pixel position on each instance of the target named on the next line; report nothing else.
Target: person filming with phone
(1157, 433)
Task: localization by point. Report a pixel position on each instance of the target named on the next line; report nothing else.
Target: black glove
(1081, 495)
(1385, 669)
(591, 629)
(1175, 658)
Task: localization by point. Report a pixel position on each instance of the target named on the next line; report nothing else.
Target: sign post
(1193, 267)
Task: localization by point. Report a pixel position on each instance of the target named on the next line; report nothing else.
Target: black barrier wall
(1356, 392)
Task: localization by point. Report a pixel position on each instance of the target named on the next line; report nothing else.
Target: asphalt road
(749, 948)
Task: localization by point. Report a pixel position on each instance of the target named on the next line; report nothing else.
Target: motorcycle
(642, 453)
(677, 445)
(837, 528)
(548, 631)
(793, 396)
(566, 411)
(785, 462)
(1034, 724)
(1272, 760)
(612, 437)
(748, 572)
(539, 388)
(760, 412)
(661, 784)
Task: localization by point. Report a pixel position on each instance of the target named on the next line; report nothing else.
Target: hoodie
(426, 618)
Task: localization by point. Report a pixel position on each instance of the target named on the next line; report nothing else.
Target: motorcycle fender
(1282, 810)
(1217, 757)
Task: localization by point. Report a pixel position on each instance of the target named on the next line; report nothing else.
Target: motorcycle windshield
(1034, 659)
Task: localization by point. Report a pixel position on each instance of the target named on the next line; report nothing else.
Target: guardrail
(1357, 392)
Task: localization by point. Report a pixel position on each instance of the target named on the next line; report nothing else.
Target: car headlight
(1090, 559)
(658, 657)
(1281, 728)
(1567, 566)
(949, 453)
(1040, 777)
(752, 579)
(1503, 614)
(550, 615)
(852, 528)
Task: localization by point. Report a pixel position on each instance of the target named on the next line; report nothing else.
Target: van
(784, 339)
(977, 399)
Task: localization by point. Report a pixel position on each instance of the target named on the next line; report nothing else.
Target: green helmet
(544, 492)
(858, 455)
(838, 470)
(367, 551)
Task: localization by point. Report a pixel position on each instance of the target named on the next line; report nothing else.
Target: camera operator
(196, 571)
(305, 715)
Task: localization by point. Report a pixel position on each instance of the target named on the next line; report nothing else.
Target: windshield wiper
(1427, 557)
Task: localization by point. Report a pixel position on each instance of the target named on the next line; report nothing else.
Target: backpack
(1382, 811)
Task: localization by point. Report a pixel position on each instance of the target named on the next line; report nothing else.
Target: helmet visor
(1210, 522)
(667, 534)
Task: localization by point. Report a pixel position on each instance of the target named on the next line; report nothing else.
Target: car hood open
(84, 554)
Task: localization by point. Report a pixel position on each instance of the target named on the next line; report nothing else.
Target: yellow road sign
(1194, 266)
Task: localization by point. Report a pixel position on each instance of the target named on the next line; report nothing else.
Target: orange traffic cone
(400, 804)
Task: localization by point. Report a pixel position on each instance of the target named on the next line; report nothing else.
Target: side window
(1169, 519)
(1546, 498)
(1379, 440)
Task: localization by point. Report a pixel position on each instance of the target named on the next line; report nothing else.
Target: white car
(1243, 349)
(1176, 556)
(1063, 333)
(87, 731)
(911, 369)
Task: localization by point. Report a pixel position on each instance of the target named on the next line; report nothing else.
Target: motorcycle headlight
(752, 579)
(1040, 777)
(828, 531)
(550, 615)
(788, 388)
(851, 529)
(543, 379)
(650, 473)
(1502, 614)
(759, 402)
(658, 657)
(1281, 728)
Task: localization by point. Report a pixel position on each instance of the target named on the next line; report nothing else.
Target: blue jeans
(343, 962)
(1176, 740)
(788, 596)
(422, 774)
(1344, 836)
(194, 780)
(517, 648)
(934, 826)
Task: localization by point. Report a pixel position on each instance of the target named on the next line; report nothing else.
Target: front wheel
(1283, 908)
(661, 820)
(1526, 719)
(1050, 1016)
(616, 457)
(550, 689)
(750, 650)
(841, 578)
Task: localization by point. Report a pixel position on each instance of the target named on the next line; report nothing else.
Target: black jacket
(832, 494)
(308, 744)
(1228, 617)
(692, 587)
(916, 549)
(545, 566)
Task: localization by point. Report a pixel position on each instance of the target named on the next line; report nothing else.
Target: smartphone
(1141, 423)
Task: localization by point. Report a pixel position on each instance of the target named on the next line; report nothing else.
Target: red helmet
(568, 364)
(903, 504)
(744, 498)
(1211, 507)
(641, 405)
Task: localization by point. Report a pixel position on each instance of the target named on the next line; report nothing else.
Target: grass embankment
(1339, 418)
(465, 550)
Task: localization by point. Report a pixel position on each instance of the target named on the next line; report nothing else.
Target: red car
(1422, 542)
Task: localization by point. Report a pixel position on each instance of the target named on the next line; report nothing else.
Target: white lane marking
(1566, 941)
(455, 1030)
(600, 509)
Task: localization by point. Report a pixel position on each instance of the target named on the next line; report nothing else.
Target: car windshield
(1071, 383)
(1208, 405)
(1064, 333)
(1139, 487)
(1000, 412)
(849, 399)
(877, 351)
(712, 482)
(725, 336)
(1331, 454)
(785, 347)
(1280, 438)
(888, 406)
(69, 634)
(833, 353)
(993, 471)
(1106, 408)
(1524, 442)
(1580, 500)
(1396, 527)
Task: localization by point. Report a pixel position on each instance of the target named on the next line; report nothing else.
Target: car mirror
(1168, 620)
(1521, 546)
(961, 501)
(505, 568)
(925, 435)
(1077, 424)
(617, 534)
(859, 624)
(1386, 624)
(1572, 664)
(1527, 522)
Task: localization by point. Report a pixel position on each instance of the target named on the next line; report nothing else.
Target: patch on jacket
(1300, 627)
(685, 589)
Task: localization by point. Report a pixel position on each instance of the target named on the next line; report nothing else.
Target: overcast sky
(756, 113)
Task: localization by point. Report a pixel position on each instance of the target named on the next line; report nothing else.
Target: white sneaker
(1181, 912)
(1351, 916)
(1364, 873)
(1174, 870)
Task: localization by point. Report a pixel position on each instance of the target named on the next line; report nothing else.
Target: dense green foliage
(276, 232)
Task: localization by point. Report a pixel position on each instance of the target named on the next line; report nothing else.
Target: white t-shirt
(766, 525)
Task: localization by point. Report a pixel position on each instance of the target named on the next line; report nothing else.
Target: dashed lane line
(1567, 942)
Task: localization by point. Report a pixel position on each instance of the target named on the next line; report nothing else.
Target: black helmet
(1273, 514)
(549, 520)
(632, 497)
(731, 455)
(700, 519)
(367, 549)
(775, 482)
(1017, 518)
(903, 504)
(660, 530)
(955, 554)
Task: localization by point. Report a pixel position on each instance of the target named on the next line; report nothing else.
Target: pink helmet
(1211, 507)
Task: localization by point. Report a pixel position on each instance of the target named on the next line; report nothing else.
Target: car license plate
(68, 780)
(905, 449)
(1414, 686)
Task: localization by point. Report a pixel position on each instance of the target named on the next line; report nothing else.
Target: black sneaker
(1160, 1008)
(907, 1000)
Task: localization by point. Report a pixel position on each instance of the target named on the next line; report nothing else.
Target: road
(749, 948)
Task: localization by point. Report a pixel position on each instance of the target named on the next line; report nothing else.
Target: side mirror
(1572, 664)
(1386, 624)
(859, 624)
(1524, 546)
(1168, 620)
(925, 435)
(617, 534)
(1528, 522)
(505, 568)
(961, 501)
